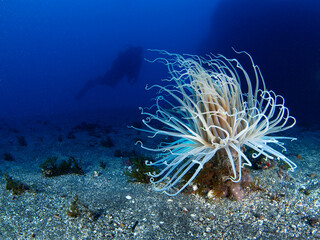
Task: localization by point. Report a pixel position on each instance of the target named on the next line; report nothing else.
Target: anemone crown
(212, 105)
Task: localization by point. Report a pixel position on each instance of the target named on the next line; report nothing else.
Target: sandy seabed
(111, 208)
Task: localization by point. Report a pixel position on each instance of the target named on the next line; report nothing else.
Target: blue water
(50, 49)
(72, 76)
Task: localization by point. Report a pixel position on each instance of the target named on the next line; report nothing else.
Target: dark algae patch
(52, 167)
(15, 186)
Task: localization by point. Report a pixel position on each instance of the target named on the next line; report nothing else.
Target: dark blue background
(49, 49)
(283, 37)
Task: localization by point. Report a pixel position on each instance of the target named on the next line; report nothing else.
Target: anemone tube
(210, 105)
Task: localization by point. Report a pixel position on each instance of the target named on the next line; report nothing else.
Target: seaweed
(76, 208)
(107, 143)
(51, 167)
(213, 183)
(129, 154)
(284, 166)
(102, 164)
(21, 141)
(74, 211)
(8, 157)
(138, 169)
(256, 186)
(15, 186)
(109, 129)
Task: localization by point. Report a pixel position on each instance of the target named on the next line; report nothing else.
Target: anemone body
(211, 105)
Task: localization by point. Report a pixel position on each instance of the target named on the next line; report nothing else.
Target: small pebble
(96, 174)
(184, 210)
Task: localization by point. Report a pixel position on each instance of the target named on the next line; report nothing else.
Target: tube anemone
(209, 106)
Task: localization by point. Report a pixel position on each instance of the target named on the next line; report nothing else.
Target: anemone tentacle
(212, 105)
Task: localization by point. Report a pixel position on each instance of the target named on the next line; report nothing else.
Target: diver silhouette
(127, 64)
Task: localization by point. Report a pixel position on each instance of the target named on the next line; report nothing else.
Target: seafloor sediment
(109, 207)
